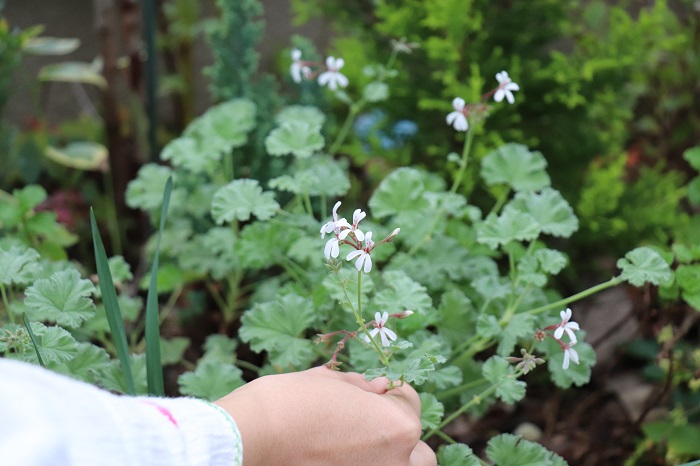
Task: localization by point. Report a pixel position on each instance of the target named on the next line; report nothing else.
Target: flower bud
(402, 314)
(393, 235)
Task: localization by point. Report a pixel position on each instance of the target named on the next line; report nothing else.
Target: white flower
(569, 354)
(296, 68)
(505, 88)
(333, 77)
(364, 261)
(335, 225)
(385, 334)
(457, 118)
(566, 326)
(357, 216)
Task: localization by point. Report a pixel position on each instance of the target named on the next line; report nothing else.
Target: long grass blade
(154, 368)
(109, 298)
(33, 338)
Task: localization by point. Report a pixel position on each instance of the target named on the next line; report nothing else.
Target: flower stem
(455, 185)
(562, 302)
(475, 400)
(465, 160)
(352, 113)
(6, 303)
(361, 321)
(459, 389)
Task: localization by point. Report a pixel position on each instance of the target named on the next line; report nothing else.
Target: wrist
(253, 424)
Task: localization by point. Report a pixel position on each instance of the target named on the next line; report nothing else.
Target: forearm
(49, 419)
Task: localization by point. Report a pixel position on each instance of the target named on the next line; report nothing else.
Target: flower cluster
(458, 118)
(326, 75)
(345, 233)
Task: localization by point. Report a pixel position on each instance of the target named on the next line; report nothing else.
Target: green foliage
(497, 371)
(241, 198)
(457, 454)
(517, 167)
(296, 137)
(644, 265)
(63, 298)
(211, 380)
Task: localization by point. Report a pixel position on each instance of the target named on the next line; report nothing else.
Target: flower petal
(572, 335)
(509, 96)
(385, 317)
(354, 254)
(498, 96)
(390, 334)
(565, 365)
(574, 355)
(359, 235)
(368, 263)
(330, 61)
(458, 103)
(296, 54)
(558, 333)
(385, 340)
(377, 317)
(324, 78)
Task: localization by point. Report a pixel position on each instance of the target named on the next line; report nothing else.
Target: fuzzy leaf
(431, 411)
(55, 344)
(308, 114)
(211, 380)
(220, 348)
(551, 261)
(498, 371)
(111, 375)
(512, 450)
(263, 244)
(295, 137)
(520, 326)
(224, 126)
(487, 325)
(319, 175)
(528, 272)
(185, 152)
(173, 349)
(514, 165)
(241, 198)
(550, 210)
(277, 327)
(211, 253)
(85, 364)
(401, 191)
(18, 265)
(146, 190)
(511, 225)
(376, 91)
(414, 370)
(457, 454)
(402, 293)
(63, 298)
(643, 265)
(576, 374)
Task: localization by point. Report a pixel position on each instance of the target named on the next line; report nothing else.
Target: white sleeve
(48, 419)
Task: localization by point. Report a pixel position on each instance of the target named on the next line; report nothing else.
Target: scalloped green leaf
(18, 265)
(511, 225)
(576, 374)
(85, 364)
(431, 411)
(29, 197)
(551, 261)
(513, 450)
(644, 265)
(402, 293)
(278, 328)
(375, 91)
(146, 190)
(212, 253)
(186, 153)
(514, 165)
(306, 113)
(240, 199)
(220, 348)
(64, 298)
(551, 211)
(692, 155)
(413, 370)
(316, 176)
(55, 344)
(498, 371)
(401, 191)
(211, 380)
(224, 126)
(457, 454)
(520, 326)
(295, 137)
